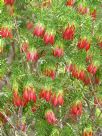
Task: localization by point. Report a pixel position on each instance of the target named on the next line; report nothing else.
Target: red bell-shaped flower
(39, 30)
(49, 38)
(69, 32)
(76, 109)
(54, 100)
(70, 3)
(83, 44)
(50, 117)
(6, 32)
(58, 52)
(60, 99)
(9, 2)
(29, 25)
(32, 55)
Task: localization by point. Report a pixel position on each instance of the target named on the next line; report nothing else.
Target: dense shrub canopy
(51, 67)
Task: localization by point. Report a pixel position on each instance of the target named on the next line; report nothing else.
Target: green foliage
(42, 128)
(67, 130)
(55, 18)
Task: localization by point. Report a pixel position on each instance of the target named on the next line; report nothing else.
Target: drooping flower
(5, 32)
(50, 117)
(39, 30)
(9, 2)
(69, 32)
(49, 38)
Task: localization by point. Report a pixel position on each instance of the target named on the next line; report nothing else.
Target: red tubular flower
(71, 67)
(82, 75)
(32, 56)
(48, 96)
(87, 47)
(70, 3)
(50, 73)
(28, 56)
(83, 44)
(93, 14)
(92, 69)
(87, 80)
(29, 25)
(5, 33)
(60, 99)
(35, 56)
(26, 94)
(76, 109)
(54, 100)
(75, 73)
(42, 94)
(34, 97)
(9, 2)
(49, 38)
(83, 10)
(17, 101)
(39, 30)
(50, 117)
(69, 32)
(58, 52)
(24, 103)
(45, 94)
(29, 94)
